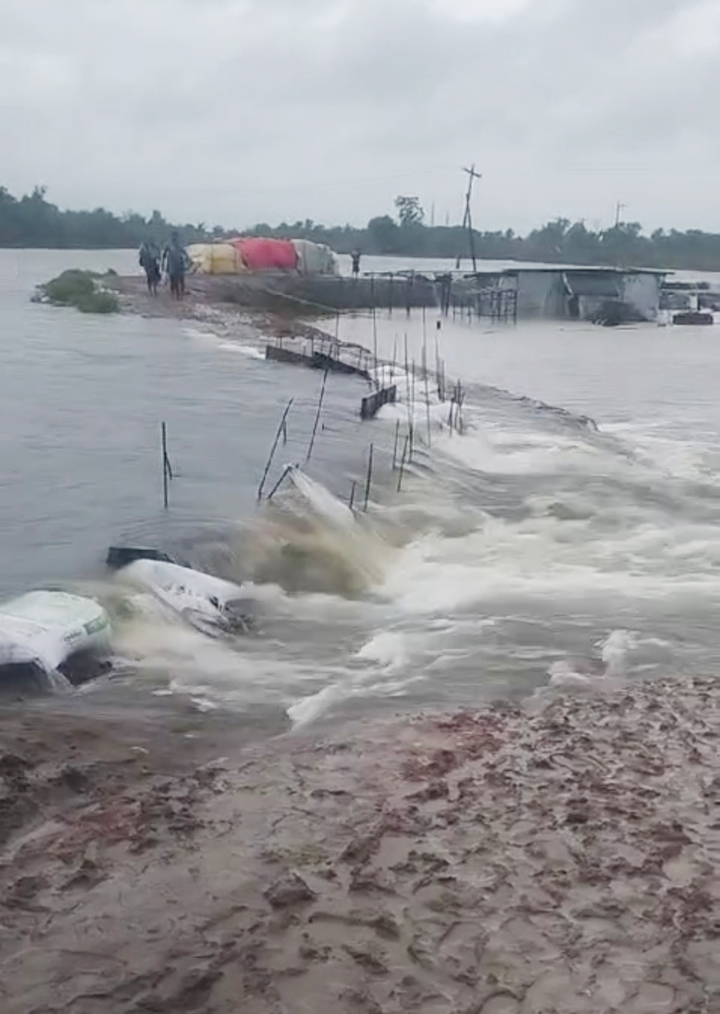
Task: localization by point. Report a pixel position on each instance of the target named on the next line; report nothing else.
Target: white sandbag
(321, 499)
(315, 258)
(201, 599)
(45, 628)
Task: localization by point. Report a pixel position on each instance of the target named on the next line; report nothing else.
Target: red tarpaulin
(266, 254)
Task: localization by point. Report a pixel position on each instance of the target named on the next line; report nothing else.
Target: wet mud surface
(561, 857)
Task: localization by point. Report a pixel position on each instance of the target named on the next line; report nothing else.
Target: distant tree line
(32, 221)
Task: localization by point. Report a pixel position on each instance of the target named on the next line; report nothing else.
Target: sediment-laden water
(534, 547)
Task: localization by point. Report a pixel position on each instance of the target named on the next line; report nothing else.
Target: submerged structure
(560, 292)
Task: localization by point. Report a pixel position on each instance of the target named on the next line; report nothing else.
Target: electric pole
(467, 218)
(618, 211)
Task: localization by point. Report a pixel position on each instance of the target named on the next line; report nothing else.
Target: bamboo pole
(282, 428)
(167, 467)
(317, 415)
(279, 483)
(368, 480)
(427, 410)
(375, 343)
(402, 462)
(397, 435)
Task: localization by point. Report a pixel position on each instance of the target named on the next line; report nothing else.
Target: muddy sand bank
(217, 302)
(561, 857)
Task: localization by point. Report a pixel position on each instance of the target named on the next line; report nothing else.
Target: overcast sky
(239, 111)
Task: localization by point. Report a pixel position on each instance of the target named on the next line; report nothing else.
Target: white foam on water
(499, 452)
(566, 674)
(384, 666)
(250, 351)
(621, 655)
(234, 673)
(544, 556)
(389, 649)
(309, 709)
(616, 649)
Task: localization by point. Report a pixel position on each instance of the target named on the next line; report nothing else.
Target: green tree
(383, 235)
(409, 211)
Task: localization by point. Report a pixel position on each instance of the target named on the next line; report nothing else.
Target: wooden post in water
(167, 467)
(402, 462)
(282, 428)
(409, 394)
(368, 480)
(279, 483)
(397, 435)
(375, 343)
(317, 415)
(427, 409)
(352, 494)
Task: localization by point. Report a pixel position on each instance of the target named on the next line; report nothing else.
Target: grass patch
(79, 289)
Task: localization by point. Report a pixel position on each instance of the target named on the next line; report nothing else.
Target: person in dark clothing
(355, 255)
(149, 258)
(176, 262)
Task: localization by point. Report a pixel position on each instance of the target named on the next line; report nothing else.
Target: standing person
(176, 263)
(355, 255)
(149, 258)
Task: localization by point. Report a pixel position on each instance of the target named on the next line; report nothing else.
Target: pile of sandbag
(215, 259)
(257, 254)
(315, 258)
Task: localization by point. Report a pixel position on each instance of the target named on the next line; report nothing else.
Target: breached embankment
(286, 294)
(558, 857)
(507, 861)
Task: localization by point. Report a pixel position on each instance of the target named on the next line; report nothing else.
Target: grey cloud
(241, 110)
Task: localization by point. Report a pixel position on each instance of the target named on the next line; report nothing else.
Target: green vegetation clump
(79, 289)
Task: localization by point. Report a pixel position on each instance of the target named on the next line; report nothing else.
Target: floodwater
(533, 548)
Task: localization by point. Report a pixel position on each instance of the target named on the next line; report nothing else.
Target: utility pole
(619, 208)
(467, 218)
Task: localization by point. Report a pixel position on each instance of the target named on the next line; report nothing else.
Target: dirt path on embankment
(562, 858)
(204, 303)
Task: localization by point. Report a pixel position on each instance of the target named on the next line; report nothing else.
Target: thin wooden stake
(368, 480)
(279, 483)
(409, 395)
(375, 341)
(166, 466)
(397, 435)
(402, 462)
(281, 429)
(427, 410)
(317, 415)
(352, 494)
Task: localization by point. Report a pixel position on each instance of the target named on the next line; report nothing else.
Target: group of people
(173, 260)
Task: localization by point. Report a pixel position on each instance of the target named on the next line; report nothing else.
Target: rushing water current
(534, 547)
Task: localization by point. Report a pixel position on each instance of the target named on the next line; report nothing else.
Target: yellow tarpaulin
(215, 259)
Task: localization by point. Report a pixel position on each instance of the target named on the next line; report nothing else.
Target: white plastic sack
(189, 593)
(46, 628)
